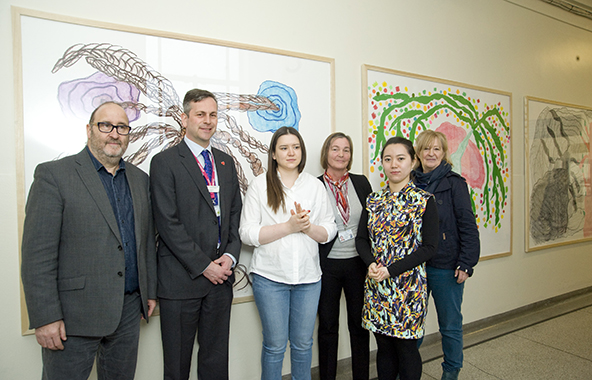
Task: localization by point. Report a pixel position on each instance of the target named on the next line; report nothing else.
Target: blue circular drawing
(288, 114)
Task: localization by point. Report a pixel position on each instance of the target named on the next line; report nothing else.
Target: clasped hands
(299, 220)
(219, 270)
(378, 272)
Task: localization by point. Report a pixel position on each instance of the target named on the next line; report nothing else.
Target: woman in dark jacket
(458, 247)
(342, 267)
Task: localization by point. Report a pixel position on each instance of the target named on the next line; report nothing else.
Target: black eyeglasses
(106, 127)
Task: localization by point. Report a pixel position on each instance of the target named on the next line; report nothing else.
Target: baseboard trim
(505, 323)
(489, 328)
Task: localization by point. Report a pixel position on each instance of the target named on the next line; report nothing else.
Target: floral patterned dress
(396, 307)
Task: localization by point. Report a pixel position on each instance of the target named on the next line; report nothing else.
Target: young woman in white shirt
(286, 213)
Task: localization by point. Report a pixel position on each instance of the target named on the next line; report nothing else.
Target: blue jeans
(448, 297)
(286, 312)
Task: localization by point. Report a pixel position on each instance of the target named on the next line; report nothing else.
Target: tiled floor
(559, 348)
(551, 339)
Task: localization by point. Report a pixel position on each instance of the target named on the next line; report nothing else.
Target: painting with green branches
(476, 122)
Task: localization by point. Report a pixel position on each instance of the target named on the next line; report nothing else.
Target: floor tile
(571, 333)
(512, 357)
(433, 370)
(559, 348)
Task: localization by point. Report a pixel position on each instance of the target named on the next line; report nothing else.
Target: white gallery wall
(525, 47)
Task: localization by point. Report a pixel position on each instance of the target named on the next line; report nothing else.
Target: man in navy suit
(88, 255)
(197, 205)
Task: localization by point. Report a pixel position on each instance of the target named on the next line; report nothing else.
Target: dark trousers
(116, 354)
(347, 275)
(209, 318)
(397, 357)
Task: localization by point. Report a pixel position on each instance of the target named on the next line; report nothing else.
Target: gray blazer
(73, 265)
(187, 223)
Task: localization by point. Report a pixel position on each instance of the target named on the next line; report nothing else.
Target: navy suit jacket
(186, 220)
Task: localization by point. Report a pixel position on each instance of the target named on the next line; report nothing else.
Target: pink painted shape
(472, 166)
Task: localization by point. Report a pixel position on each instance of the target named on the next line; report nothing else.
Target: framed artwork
(476, 122)
(65, 67)
(558, 173)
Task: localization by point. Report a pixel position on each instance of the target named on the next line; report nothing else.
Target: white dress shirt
(293, 259)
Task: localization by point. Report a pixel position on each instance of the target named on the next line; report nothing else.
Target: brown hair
(194, 96)
(426, 138)
(275, 191)
(327, 145)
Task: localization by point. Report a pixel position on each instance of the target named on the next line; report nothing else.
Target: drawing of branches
(124, 66)
(275, 104)
(400, 113)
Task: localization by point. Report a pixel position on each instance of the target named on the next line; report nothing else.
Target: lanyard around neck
(209, 182)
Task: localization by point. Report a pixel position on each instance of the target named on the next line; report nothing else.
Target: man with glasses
(88, 255)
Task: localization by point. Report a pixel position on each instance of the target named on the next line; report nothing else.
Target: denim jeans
(286, 312)
(448, 297)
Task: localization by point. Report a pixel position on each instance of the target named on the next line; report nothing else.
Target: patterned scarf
(339, 190)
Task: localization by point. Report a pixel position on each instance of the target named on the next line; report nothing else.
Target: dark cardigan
(363, 188)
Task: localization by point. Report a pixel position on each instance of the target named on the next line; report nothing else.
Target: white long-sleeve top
(293, 259)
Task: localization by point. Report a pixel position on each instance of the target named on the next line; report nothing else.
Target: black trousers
(209, 317)
(347, 275)
(397, 357)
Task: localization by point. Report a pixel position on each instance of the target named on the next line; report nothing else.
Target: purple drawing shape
(79, 97)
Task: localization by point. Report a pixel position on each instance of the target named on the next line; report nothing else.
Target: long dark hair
(275, 190)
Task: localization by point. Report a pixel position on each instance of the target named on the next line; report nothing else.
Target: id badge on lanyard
(213, 189)
(346, 235)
